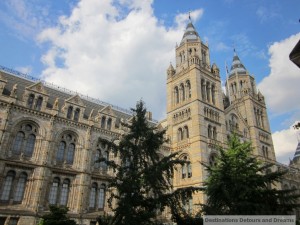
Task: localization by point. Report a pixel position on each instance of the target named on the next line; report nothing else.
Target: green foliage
(57, 216)
(142, 184)
(239, 184)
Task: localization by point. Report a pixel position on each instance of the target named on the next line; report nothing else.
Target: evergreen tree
(57, 216)
(239, 184)
(143, 182)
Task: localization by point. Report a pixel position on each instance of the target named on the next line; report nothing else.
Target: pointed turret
(297, 154)
(237, 66)
(171, 71)
(190, 34)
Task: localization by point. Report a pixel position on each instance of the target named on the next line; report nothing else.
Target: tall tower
(195, 115)
(245, 110)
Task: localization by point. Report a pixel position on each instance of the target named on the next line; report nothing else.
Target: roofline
(64, 90)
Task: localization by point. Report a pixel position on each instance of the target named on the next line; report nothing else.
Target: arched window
(186, 132)
(76, 114)
(189, 170)
(39, 102)
(188, 89)
(24, 141)
(180, 134)
(61, 151)
(214, 133)
(103, 120)
(213, 89)
(19, 192)
(64, 192)
(203, 90)
(101, 197)
(182, 92)
(54, 191)
(97, 157)
(30, 145)
(66, 149)
(109, 121)
(176, 95)
(92, 203)
(212, 160)
(18, 142)
(186, 168)
(70, 153)
(209, 131)
(70, 112)
(30, 101)
(7, 186)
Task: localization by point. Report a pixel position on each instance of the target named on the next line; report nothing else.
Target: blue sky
(118, 51)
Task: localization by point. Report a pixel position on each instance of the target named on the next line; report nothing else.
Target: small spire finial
(190, 16)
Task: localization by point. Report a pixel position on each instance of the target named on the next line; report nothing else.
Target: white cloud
(285, 143)
(26, 18)
(118, 53)
(281, 86)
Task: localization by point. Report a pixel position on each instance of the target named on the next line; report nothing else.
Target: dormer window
(76, 114)
(70, 112)
(39, 102)
(30, 101)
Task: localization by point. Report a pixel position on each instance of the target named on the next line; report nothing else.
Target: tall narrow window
(182, 92)
(103, 120)
(76, 114)
(7, 186)
(180, 134)
(66, 149)
(101, 197)
(64, 192)
(183, 171)
(61, 152)
(189, 170)
(92, 203)
(19, 192)
(70, 112)
(188, 89)
(30, 145)
(70, 153)
(209, 131)
(30, 101)
(39, 102)
(109, 121)
(97, 157)
(18, 142)
(54, 191)
(186, 132)
(176, 95)
(213, 89)
(13, 221)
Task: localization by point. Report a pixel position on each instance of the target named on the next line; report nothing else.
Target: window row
(106, 123)
(265, 151)
(186, 169)
(25, 140)
(73, 114)
(59, 194)
(182, 92)
(13, 188)
(34, 103)
(183, 133)
(212, 132)
(211, 114)
(208, 91)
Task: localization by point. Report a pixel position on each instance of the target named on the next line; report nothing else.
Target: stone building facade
(49, 136)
